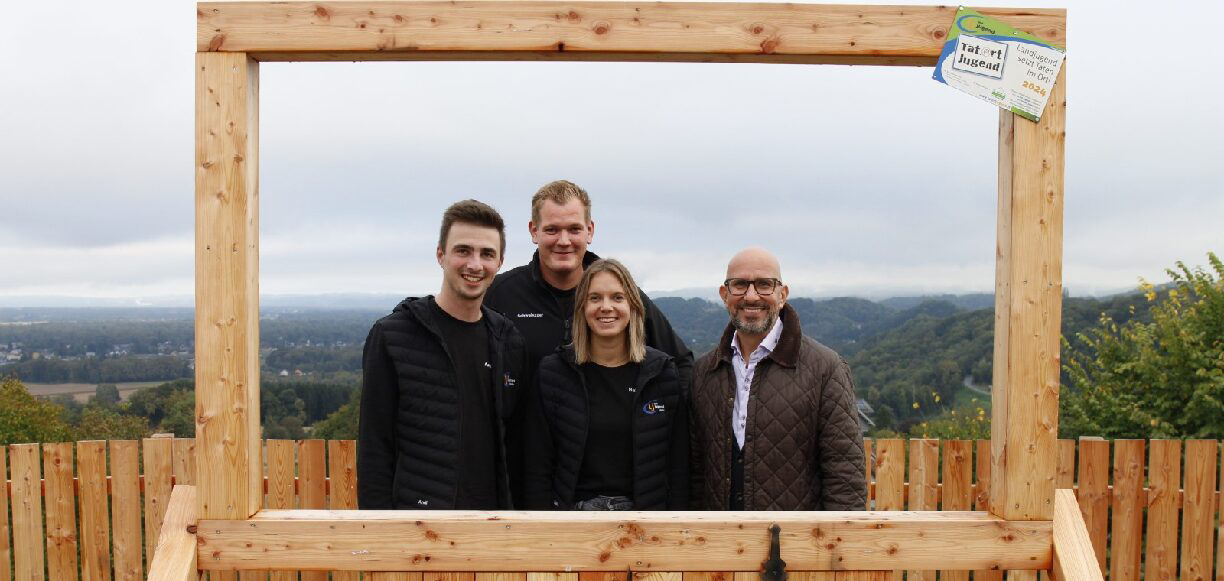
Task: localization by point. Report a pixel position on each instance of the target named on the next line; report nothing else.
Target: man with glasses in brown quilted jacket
(774, 422)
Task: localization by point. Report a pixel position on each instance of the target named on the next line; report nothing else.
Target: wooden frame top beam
(593, 31)
(616, 541)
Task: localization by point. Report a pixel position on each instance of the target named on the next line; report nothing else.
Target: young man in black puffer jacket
(441, 377)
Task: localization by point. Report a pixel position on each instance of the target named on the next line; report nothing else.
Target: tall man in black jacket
(440, 383)
(539, 296)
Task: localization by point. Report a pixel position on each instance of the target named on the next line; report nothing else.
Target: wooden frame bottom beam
(617, 541)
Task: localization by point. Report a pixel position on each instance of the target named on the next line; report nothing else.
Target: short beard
(755, 329)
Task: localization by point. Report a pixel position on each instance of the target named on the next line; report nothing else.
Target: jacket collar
(651, 366)
(423, 309)
(534, 267)
(786, 353)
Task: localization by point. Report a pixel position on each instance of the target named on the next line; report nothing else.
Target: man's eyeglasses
(739, 286)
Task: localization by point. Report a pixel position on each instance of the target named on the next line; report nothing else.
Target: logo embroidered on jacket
(509, 381)
(530, 315)
(487, 365)
(422, 502)
(653, 407)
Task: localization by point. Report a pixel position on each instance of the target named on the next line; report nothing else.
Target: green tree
(26, 419)
(1163, 378)
(105, 423)
(342, 423)
(106, 395)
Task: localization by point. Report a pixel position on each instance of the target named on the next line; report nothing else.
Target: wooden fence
(92, 511)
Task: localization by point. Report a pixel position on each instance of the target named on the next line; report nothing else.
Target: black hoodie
(543, 315)
(409, 434)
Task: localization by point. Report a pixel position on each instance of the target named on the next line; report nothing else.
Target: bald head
(754, 262)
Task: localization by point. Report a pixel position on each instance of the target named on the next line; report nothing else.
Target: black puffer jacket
(558, 419)
(408, 440)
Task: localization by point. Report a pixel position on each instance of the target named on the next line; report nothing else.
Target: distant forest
(913, 359)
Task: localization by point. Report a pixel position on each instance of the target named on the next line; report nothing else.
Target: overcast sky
(868, 181)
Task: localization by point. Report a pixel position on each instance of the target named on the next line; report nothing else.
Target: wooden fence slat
(342, 473)
(126, 544)
(957, 487)
(27, 512)
(1198, 512)
(890, 479)
(184, 461)
(650, 576)
(694, 576)
(1094, 492)
(312, 486)
(1126, 538)
(158, 482)
(1220, 525)
(536, 576)
(281, 472)
(95, 511)
(923, 486)
(981, 499)
(6, 553)
(395, 576)
(60, 500)
(471, 576)
(523, 577)
(1164, 479)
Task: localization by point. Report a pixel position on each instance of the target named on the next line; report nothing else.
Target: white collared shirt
(744, 370)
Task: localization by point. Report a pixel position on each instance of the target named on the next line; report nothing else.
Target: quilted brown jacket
(803, 449)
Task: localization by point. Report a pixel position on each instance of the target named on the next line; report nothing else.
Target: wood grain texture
(158, 470)
(923, 487)
(127, 545)
(1028, 311)
(1198, 511)
(1219, 525)
(890, 475)
(981, 501)
(890, 480)
(6, 552)
(60, 501)
(1164, 481)
(395, 576)
(644, 541)
(1093, 494)
(652, 576)
(1126, 536)
(1074, 555)
(312, 486)
(184, 461)
(1064, 476)
(957, 487)
(342, 489)
(282, 474)
(688, 31)
(95, 511)
(504, 576)
(27, 512)
(230, 469)
(174, 559)
(471, 576)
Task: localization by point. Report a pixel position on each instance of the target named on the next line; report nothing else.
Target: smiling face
(469, 261)
(562, 234)
(606, 307)
(751, 313)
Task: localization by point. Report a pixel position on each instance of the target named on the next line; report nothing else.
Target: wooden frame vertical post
(1028, 312)
(229, 464)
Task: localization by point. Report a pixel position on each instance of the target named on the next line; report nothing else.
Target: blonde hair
(559, 192)
(635, 332)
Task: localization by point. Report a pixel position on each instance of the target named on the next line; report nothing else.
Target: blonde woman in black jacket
(608, 427)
